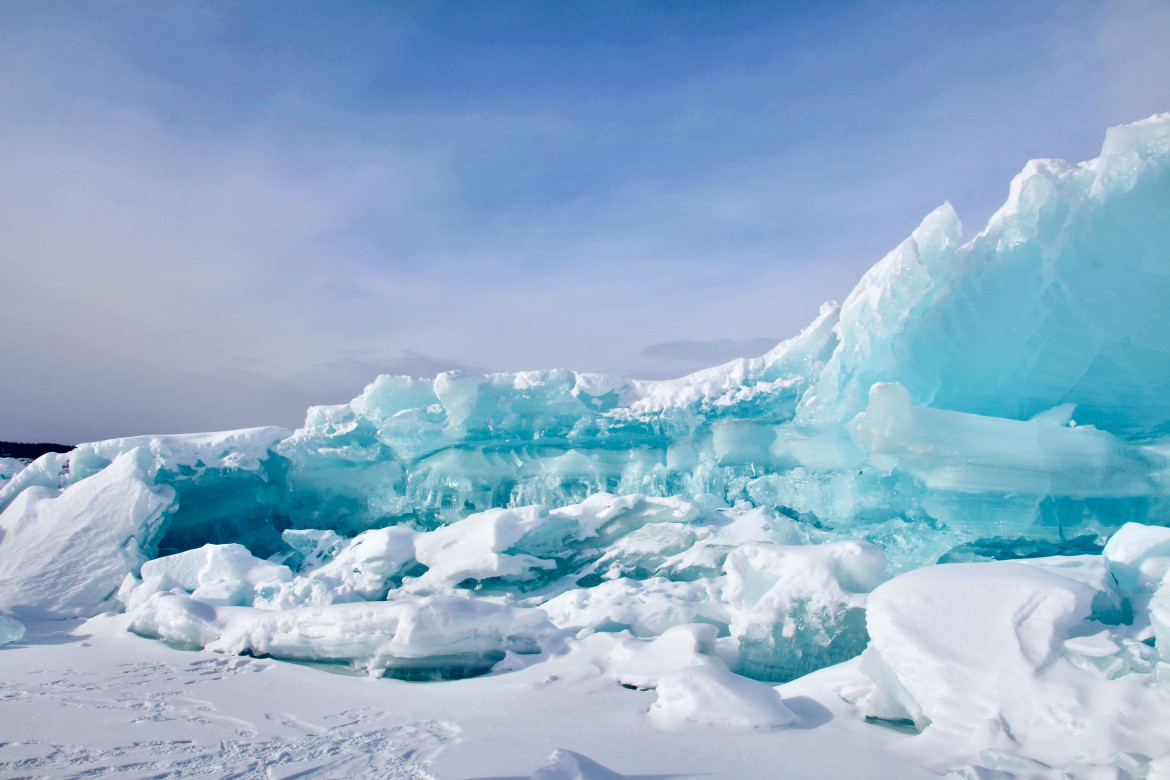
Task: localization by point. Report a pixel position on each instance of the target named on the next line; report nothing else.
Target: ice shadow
(45, 631)
(810, 713)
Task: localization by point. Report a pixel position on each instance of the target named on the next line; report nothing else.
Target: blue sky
(214, 215)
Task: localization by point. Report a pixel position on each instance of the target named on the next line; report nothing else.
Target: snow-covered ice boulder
(1001, 656)
(637, 663)
(66, 553)
(646, 608)
(428, 637)
(220, 574)
(1139, 557)
(714, 696)
(798, 608)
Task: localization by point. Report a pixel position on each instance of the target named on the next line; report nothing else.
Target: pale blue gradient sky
(213, 215)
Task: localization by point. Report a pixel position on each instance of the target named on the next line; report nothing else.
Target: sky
(213, 215)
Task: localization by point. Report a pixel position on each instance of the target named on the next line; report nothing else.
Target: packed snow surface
(952, 488)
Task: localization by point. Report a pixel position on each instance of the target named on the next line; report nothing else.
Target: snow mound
(567, 765)
(65, 553)
(1007, 657)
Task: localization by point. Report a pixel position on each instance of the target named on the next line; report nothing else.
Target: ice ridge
(1007, 397)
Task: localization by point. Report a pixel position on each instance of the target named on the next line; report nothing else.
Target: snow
(9, 467)
(82, 695)
(66, 553)
(709, 694)
(1139, 557)
(926, 535)
(567, 765)
(1003, 656)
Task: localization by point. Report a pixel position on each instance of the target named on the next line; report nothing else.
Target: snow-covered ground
(87, 697)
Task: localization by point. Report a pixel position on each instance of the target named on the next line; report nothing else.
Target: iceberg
(961, 474)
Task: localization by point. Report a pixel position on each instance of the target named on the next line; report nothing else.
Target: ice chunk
(999, 655)
(366, 565)
(567, 765)
(9, 468)
(176, 618)
(1110, 654)
(1139, 557)
(640, 664)
(433, 637)
(475, 549)
(66, 553)
(981, 628)
(45, 472)
(954, 451)
(646, 608)
(714, 696)
(313, 547)
(430, 637)
(11, 630)
(798, 608)
(223, 574)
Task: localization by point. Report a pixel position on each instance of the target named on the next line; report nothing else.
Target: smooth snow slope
(671, 550)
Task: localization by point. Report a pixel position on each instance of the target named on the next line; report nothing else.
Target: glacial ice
(9, 467)
(963, 470)
(11, 630)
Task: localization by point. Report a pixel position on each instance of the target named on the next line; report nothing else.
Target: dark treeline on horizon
(30, 450)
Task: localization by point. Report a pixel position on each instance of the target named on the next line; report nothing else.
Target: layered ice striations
(1015, 386)
(1019, 385)
(1003, 398)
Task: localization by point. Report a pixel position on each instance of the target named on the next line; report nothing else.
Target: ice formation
(1000, 407)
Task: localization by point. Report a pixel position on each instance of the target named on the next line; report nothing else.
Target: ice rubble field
(952, 489)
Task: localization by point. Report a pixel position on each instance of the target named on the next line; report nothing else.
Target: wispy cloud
(216, 215)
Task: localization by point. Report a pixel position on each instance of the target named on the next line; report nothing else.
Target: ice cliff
(1004, 398)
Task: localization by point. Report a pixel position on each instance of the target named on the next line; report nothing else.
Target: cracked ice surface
(1001, 406)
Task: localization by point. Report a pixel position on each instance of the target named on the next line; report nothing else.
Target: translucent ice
(9, 468)
(1007, 397)
(796, 609)
(428, 638)
(11, 630)
(224, 574)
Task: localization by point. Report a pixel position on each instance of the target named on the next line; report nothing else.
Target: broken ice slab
(959, 452)
(433, 637)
